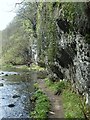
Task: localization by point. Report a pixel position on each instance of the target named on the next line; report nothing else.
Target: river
(16, 88)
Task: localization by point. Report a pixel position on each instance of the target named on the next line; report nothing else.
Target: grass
(55, 86)
(10, 67)
(42, 105)
(71, 101)
(22, 67)
(37, 68)
(72, 105)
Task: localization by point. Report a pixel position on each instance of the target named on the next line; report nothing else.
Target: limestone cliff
(64, 42)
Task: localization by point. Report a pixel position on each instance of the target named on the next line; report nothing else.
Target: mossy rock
(1, 84)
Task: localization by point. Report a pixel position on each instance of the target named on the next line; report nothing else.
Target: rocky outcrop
(73, 56)
(63, 33)
(73, 59)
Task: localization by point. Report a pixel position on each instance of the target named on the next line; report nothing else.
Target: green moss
(42, 105)
(36, 86)
(72, 10)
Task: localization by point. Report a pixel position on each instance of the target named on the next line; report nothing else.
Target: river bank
(16, 89)
(64, 103)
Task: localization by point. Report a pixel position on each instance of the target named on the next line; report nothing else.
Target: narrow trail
(56, 110)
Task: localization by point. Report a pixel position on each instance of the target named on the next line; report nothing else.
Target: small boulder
(16, 96)
(11, 105)
(1, 84)
(6, 75)
(3, 98)
(15, 74)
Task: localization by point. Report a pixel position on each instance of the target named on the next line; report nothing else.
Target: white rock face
(75, 62)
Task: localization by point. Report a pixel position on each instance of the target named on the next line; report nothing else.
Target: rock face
(73, 61)
(64, 44)
(73, 56)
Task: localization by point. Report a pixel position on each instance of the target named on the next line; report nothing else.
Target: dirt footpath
(56, 110)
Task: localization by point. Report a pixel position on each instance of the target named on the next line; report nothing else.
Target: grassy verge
(42, 105)
(57, 87)
(36, 67)
(72, 105)
(22, 67)
(10, 67)
(71, 101)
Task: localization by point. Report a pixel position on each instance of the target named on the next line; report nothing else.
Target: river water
(16, 88)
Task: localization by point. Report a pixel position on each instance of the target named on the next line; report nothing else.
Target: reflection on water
(16, 89)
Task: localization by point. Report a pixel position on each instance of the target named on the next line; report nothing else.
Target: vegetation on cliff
(34, 30)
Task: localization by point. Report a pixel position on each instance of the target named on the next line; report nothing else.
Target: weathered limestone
(73, 61)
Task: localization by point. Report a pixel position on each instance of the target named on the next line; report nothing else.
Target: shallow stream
(16, 88)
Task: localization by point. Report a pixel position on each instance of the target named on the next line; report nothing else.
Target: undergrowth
(57, 87)
(72, 105)
(42, 105)
(36, 67)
